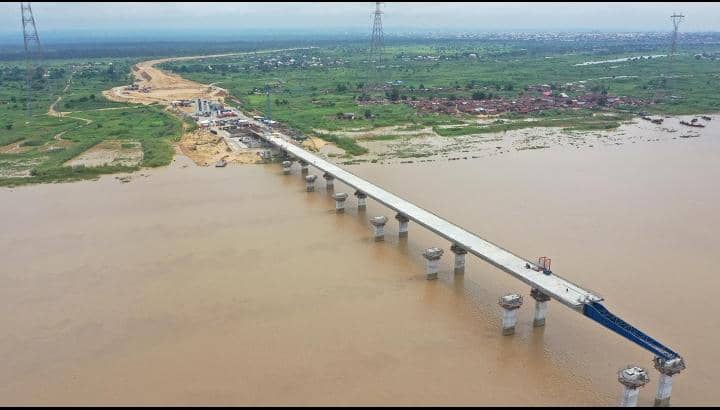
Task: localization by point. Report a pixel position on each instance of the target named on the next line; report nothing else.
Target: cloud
(357, 15)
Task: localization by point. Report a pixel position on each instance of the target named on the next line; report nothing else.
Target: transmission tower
(268, 114)
(377, 51)
(33, 50)
(676, 19)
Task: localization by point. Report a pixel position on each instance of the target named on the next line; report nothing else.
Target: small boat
(657, 121)
(220, 163)
(692, 124)
(706, 118)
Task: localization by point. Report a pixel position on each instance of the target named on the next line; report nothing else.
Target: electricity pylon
(376, 63)
(676, 19)
(33, 50)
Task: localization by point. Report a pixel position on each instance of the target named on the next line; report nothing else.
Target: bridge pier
(286, 167)
(361, 200)
(632, 378)
(510, 304)
(541, 301)
(432, 262)
(379, 223)
(329, 181)
(310, 182)
(403, 221)
(667, 369)
(459, 258)
(303, 167)
(340, 202)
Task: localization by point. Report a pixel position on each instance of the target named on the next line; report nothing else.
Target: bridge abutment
(361, 200)
(378, 222)
(667, 369)
(286, 167)
(329, 181)
(511, 304)
(460, 253)
(541, 303)
(340, 202)
(403, 224)
(432, 262)
(632, 378)
(310, 182)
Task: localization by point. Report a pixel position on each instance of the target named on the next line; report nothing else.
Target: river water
(234, 285)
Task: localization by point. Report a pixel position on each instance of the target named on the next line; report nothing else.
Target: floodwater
(619, 60)
(234, 285)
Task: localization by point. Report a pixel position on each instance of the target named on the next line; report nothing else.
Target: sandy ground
(206, 149)
(109, 152)
(314, 144)
(164, 87)
(14, 148)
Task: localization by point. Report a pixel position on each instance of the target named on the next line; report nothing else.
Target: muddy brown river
(233, 285)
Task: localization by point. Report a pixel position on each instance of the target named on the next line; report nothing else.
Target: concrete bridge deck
(552, 285)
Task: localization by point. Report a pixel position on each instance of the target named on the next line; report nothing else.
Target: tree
(478, 95)
(394, 94)
(8, 126)
(368, 114)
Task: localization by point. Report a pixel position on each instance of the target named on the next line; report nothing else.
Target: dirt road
(164, 87)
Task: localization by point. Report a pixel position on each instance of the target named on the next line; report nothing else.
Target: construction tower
(376, 64)
(33, 51)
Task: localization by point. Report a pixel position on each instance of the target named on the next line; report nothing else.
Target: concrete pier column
(379, 223)
(667, 369)
(541, 301)
(510, 304)
(459, 258)
(329, 181)
(632, 378)
(403, 221)
(310, 182)
(286, 167)
(432, 262)
(303, 167)
(361, 199)
(340, 202)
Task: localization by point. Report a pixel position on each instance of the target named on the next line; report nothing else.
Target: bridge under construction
(544, 284)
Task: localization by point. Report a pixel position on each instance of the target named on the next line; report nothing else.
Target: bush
(31, 143)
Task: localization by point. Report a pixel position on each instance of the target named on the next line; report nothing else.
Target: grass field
(310, 89)
(36, 151)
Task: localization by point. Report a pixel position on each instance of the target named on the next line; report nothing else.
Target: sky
(54, 18)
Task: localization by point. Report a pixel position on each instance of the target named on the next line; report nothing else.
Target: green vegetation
(311, 89)
(571, 121)
(347, 144)
(37, 151)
